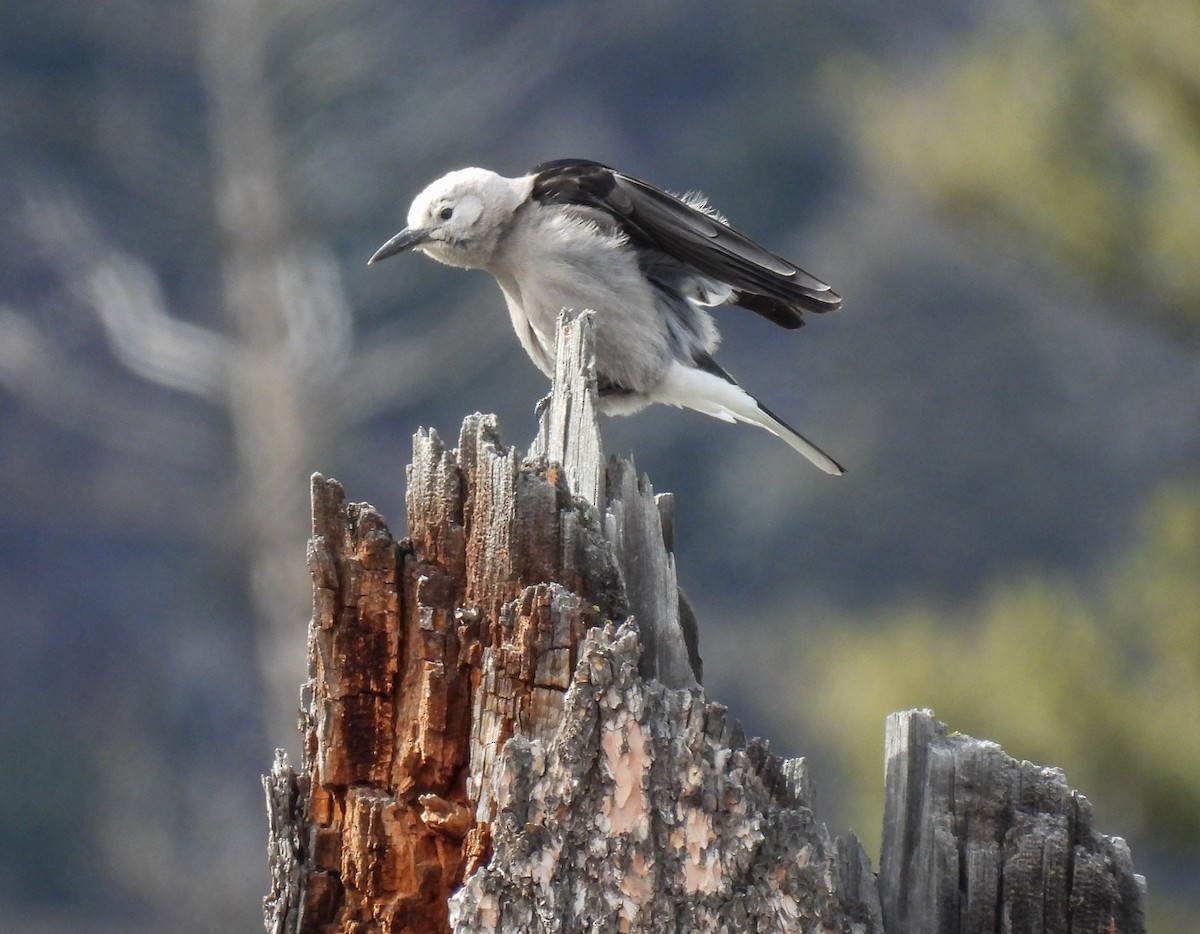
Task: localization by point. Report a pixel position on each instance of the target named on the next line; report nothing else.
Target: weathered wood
(647, 809)
(442, 664)
(427, 655)
(975, 841)
(569, 432)
(504, 731)
(636, 523)
(287, 795)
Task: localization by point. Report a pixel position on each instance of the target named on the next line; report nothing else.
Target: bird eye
(446, 213)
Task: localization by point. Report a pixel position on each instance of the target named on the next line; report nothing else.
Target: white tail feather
(701, 391)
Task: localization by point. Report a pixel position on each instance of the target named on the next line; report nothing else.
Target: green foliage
(1102, 681)
(1077, 124)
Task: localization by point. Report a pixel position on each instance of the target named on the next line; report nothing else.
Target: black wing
(762, 282)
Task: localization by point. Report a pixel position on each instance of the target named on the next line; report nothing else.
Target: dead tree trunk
(503, 729)
(974, 840)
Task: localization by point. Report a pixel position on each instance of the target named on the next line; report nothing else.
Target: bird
(580, 235)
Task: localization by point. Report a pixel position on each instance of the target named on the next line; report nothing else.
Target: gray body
(578, 235)
(570, 257)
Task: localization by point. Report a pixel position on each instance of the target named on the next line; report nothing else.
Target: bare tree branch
(81, 398)
(125, 296)
(151, 343)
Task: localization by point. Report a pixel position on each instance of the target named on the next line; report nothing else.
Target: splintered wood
(465, 727)
(464, 732)
(974, 840)
(427, 655)
(503, 732)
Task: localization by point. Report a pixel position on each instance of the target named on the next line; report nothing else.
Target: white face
(461, 214)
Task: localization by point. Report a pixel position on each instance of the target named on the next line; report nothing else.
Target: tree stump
(504, 729)
(974, 840)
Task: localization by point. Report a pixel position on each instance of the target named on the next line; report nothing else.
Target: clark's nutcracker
(580, 235)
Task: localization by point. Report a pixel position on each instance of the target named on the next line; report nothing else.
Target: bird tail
(712, 391)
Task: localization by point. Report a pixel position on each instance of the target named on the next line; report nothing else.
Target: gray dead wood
(504, 731)
(286, 794)
(975, 841)
(637, 525)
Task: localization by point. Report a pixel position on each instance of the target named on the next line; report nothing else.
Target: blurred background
(1007, 195)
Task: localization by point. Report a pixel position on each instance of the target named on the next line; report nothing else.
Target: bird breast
(562, 258)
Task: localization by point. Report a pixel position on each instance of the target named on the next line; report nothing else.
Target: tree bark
(504, 731)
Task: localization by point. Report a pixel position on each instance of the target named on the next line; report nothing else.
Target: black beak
(405, 240)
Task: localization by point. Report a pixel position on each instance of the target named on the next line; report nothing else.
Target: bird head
(459, 219)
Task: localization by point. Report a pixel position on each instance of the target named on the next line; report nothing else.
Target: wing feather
(762, 281)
